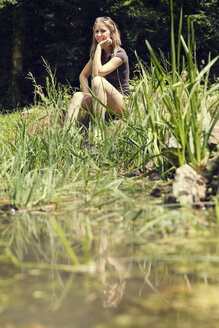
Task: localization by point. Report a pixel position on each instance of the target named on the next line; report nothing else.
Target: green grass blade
(65, 242)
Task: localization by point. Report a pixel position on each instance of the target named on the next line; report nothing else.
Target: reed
(39, 157)
(183, 93)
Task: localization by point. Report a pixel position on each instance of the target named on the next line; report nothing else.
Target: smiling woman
(109, 67)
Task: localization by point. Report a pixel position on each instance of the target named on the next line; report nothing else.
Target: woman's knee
(77, 97)
(97, 82)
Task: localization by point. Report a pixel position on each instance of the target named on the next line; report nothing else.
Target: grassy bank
(38, 161)
(169, 120)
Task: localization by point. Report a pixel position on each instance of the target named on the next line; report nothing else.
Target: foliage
(5, 2)
(182, 104)
(60, 31)
(169, 100)
(39, 160)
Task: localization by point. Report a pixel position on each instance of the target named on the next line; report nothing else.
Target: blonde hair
(115, 35)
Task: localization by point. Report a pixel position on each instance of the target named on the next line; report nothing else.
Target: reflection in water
(113, 272)
(133, 283)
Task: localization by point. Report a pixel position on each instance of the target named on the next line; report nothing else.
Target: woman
(109, 68)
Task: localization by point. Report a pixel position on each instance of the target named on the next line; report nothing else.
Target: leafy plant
(183, 93)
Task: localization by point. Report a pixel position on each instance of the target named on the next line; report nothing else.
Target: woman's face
(101, 32)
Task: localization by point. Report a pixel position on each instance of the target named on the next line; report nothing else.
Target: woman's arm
(97, 61)
(103, 70)
(85, 73)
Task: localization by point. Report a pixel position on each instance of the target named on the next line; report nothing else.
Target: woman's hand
(107, 42)
(97, 64)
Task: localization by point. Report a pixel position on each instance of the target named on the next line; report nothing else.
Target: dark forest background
(60, 31)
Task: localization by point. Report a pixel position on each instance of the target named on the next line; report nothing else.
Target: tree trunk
(17, 54)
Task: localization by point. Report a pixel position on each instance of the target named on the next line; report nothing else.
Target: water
(152, 267)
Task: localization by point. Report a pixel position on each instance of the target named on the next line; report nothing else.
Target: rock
(170, 199)
(170, 151)
(214, 138)
(188, 185)
(156, 192)
(211, 173)
(206, 123)
(154, 176)
(212, 167)
(172, 143)
(149, 166)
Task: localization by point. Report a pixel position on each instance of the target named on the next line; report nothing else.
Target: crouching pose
(109, 69)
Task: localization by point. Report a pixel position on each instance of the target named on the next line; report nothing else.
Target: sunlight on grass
(169, 103)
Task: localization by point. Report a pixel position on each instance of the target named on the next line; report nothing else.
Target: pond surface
(109, 266)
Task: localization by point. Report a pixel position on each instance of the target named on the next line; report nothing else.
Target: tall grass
(175, 100)
(38, 160)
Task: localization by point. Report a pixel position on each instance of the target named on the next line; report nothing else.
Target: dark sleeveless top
(119, 78)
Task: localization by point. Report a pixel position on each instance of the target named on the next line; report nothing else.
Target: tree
(61, 31)
(17, 54)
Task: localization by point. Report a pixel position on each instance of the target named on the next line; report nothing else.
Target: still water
(110, 267)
